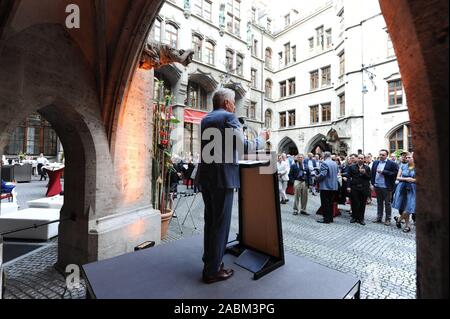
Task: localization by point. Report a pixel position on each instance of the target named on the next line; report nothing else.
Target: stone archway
(56, 96)
(419, 32)
(287, 146)
(65, 93)
(318, 144)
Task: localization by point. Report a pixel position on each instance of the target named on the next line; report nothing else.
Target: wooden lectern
(260, 240)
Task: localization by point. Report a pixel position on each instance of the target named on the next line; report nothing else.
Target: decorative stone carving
(156, 55)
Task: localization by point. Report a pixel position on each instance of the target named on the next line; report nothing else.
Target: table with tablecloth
(54, 184)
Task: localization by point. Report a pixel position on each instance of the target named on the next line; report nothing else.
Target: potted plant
(163, 121)
(21, 157)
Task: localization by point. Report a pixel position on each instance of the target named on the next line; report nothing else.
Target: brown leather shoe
(224, 269)
(222, 274)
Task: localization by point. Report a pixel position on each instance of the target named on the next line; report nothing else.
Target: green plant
(163, 122)
(21, 156)
(397, 153)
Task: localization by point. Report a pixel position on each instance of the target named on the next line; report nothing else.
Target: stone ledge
(118, 234)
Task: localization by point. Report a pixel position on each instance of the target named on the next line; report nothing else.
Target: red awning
(193, 116)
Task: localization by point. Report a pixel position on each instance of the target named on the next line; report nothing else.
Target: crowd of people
(353, 180)
(183, 169)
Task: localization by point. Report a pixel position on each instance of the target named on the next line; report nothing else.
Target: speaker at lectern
(259, 243)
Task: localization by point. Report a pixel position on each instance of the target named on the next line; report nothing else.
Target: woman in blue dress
(405, 193)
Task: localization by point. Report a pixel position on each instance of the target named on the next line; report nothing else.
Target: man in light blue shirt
(328, 185)
(379, 177)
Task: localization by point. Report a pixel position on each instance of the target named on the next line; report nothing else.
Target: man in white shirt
(42, 161)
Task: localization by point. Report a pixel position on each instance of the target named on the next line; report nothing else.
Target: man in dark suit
(218, 176)
(359, 188)
(328, 185)
(384, 174)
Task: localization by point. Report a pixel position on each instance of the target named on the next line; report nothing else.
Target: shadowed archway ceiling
(111, 36)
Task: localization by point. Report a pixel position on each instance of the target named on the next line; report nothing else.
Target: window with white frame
(240, 64)
(234, 16)
(314, 79)
(282, 119)
(156, 31)
(229, 55)
(326, 112)
(287, 53)
(172, 35)
(341, 66)
(197, 47)
(329, 38)
(268, 58)
(342, 105)
(253, 78)
(268, 119)
(287, 20)
(255, 48)
(291, 118)
(314, 114)
(319, 36)
(326, 76)
(268, 89)
(311, 43)
(291, 83)
(252, 111)
(282, 89)
(209, 52)
(395, 93)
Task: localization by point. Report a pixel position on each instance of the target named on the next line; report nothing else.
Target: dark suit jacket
(296, 168)
(357, 180)
(390, 173)
(223, 173)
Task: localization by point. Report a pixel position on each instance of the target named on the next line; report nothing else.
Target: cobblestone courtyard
(383, 257)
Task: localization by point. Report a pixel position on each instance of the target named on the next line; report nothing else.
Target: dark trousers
(358, 200)
(41, 172)
(384, 197)
(218, 206)
(326, 200)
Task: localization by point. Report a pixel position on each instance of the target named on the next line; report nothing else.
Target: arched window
(197, 96)
(268, 89)
(209, 52)
(197, 47)
(172, 35)
(268, 119)
(401, 139)
(269, 58)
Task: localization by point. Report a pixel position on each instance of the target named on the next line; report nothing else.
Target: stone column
(135, 221)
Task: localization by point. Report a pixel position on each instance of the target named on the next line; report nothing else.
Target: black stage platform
(173, 271)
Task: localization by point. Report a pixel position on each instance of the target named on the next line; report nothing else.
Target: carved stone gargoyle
(156, 55)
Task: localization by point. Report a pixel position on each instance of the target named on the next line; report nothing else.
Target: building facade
(327, 79)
